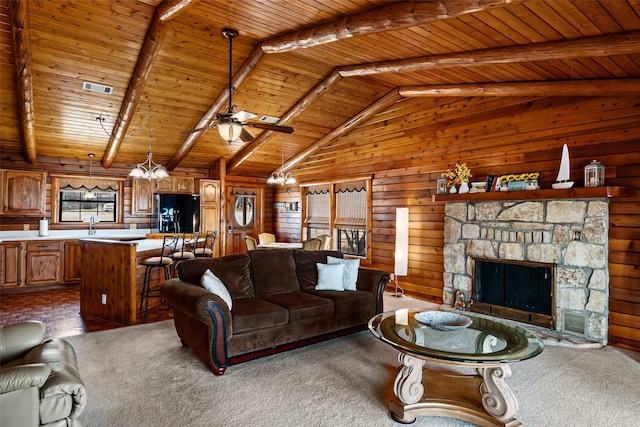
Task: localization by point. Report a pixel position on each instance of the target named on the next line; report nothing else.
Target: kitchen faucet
(91, 224)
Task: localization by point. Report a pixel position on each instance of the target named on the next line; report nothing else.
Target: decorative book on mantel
(563, 173)
(513, 182)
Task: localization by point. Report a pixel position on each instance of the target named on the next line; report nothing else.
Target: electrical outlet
(104, 298)
(25, 227)
(133, 226)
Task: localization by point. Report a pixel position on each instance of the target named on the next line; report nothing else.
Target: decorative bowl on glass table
(443, 321)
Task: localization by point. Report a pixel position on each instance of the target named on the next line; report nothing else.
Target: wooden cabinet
(209, 192)
(210, 209)
(42, 263)
(11, 273)
(23, 193)
(175, 184)
(72, 261)
(141, 196)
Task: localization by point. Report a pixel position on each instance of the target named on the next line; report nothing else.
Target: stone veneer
(572, 234)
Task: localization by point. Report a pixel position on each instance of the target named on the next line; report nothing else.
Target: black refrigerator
(178, 213)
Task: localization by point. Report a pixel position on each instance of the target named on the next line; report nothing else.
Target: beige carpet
(142, 376)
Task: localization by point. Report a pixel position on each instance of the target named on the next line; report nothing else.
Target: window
(318, 211)
(243, 210)
(340, 209)
(76, 206)
(76, 198)
(351, 217)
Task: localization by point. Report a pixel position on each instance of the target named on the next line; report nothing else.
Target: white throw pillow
(330, 277)
(210, 282)
(350, 277)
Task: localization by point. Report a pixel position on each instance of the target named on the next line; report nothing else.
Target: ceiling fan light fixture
(230, 131)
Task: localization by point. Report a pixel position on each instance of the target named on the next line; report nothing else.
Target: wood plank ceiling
(324, 67)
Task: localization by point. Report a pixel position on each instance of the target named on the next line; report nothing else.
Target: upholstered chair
(326, 242)
(39, 380)
(266, 238)
(251, 243)
(313, 244)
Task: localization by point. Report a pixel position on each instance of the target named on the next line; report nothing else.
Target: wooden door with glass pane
(243, 214)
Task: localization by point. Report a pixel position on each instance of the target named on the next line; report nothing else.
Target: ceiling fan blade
(245, 136)
(243, 116)
(187, 132)
(270, 126)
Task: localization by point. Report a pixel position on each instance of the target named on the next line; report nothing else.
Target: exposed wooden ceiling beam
(620, 44)
(364, 115)
(395, 16)
(19, 18)
(164, 13)
(618, 87)
(241, 76)
(613, 87)
(594, 46)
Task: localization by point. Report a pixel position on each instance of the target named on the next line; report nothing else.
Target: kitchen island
(112, 277)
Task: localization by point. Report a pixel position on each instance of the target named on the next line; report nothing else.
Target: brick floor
(59, 310)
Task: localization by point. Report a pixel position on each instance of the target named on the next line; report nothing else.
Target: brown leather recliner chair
(40, 384)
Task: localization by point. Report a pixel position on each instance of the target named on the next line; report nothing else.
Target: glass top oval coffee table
(487, 344)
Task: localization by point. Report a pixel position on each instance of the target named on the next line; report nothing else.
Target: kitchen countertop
(7, 236)
(141, 245)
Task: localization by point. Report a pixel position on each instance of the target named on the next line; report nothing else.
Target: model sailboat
(563, 173)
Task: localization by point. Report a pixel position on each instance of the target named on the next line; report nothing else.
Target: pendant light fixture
(280, 177)
(90, 194)
(229, 127)
(149, 169)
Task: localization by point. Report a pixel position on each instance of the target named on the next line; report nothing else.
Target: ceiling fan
(231, 125)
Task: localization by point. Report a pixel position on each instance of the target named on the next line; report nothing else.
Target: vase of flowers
(458, 176)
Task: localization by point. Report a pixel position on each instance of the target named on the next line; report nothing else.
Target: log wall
(81, 167)
(409, 146)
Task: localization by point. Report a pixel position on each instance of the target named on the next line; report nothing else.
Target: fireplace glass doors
(519, 291)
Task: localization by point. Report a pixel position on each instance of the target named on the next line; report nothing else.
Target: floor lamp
(402, 248)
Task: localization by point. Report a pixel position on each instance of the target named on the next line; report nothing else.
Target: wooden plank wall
(81, 167)
(409, 146)
(287, 223)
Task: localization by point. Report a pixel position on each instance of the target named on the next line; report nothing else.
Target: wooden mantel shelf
(571, 193)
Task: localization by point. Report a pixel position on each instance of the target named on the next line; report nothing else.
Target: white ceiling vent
(270, 119)
(95, 87)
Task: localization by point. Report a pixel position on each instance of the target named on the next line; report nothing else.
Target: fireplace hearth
(569, 236)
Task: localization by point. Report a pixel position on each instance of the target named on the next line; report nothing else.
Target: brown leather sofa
(39, 381)
(275, 306)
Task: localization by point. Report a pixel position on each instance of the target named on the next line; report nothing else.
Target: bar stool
(206, 250)
(163, 261)
(184, 253)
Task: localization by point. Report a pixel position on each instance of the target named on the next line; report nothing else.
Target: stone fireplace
(571, 234)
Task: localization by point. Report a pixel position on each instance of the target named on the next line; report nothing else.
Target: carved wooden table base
(484, 399)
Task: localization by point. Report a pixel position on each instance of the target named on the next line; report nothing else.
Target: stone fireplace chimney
(571, 234)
